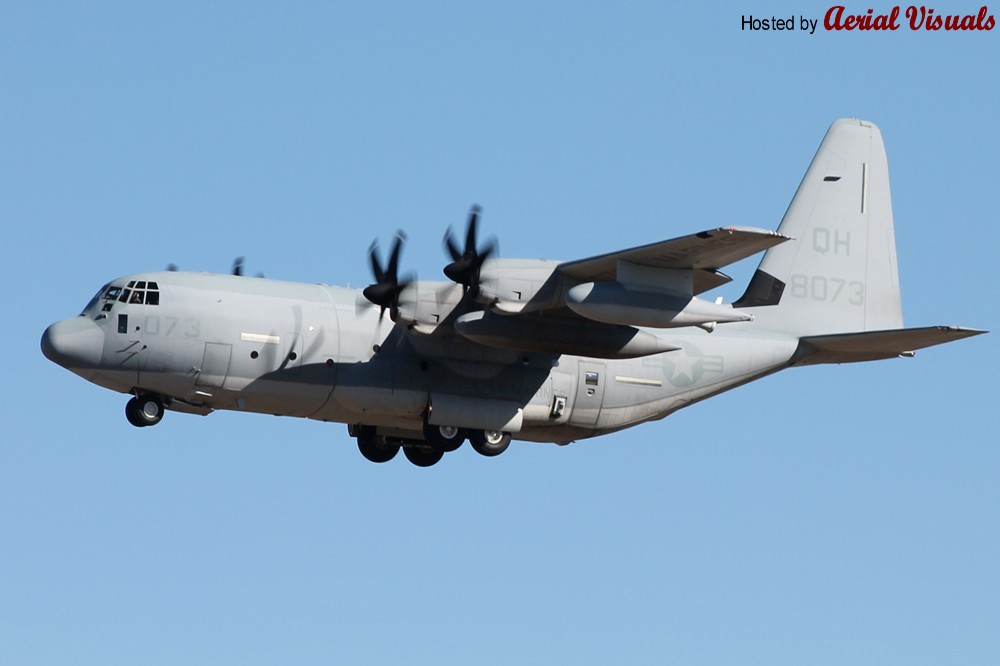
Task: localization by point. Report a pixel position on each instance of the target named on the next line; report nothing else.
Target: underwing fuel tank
(559, 336)
(613, 303)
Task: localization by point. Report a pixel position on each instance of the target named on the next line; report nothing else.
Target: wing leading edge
(702, 253)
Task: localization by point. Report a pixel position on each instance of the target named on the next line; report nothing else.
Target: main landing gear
(376, 448)
(489, 442)
(428, 451)
(144, 410)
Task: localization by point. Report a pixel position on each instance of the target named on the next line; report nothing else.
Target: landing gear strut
(375, 447)
(144, 410)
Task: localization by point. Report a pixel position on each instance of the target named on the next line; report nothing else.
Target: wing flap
(704, 253)
(875, 345)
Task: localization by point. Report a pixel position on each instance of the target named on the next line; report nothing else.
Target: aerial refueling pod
(614, 303)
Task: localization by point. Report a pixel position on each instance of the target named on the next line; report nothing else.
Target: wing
(703, 253)
(530, 305)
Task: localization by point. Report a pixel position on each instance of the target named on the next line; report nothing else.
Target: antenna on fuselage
(237, 269)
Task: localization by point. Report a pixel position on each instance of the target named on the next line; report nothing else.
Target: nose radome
(73, 343)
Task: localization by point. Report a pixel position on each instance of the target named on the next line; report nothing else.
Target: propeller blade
(376, 263)
(470, 232)
(397, 247)
(489, 249)
(450, 246)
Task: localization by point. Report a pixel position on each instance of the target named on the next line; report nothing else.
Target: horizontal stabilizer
(875, 345)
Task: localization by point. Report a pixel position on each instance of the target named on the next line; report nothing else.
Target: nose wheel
(144, 410)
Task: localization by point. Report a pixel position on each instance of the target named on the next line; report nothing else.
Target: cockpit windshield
(92, 302)
(139, 292)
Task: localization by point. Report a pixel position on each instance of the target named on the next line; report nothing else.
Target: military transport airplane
(537, 350)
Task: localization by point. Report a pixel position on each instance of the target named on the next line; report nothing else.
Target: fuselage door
(215, 364)
(128, 343)
(589, 395)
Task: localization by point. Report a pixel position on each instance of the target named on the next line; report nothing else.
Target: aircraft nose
(73, 343)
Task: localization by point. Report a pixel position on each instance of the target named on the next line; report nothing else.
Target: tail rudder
(839, 272)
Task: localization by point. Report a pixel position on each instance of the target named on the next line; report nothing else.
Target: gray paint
(513, 356)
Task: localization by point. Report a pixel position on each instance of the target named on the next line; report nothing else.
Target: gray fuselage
(209, 342)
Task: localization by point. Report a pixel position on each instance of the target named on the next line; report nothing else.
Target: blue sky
(824, 515)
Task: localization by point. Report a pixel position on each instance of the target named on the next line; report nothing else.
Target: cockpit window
(140, 292)
(137, 293)
(94, 300)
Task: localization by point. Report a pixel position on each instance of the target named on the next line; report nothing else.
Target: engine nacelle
(513, 286)
(613, 303)
(424, 304)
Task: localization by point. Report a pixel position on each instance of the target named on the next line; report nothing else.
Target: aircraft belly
(397, 390)
(653, 387)
(380, 388)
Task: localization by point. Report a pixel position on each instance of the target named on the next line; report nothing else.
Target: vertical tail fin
(839, 272)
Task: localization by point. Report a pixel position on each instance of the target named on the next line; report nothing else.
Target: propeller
(386, 289)
(467, 262)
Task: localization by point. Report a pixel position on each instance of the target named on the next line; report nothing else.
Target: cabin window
(123, 323)
(591, 378)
